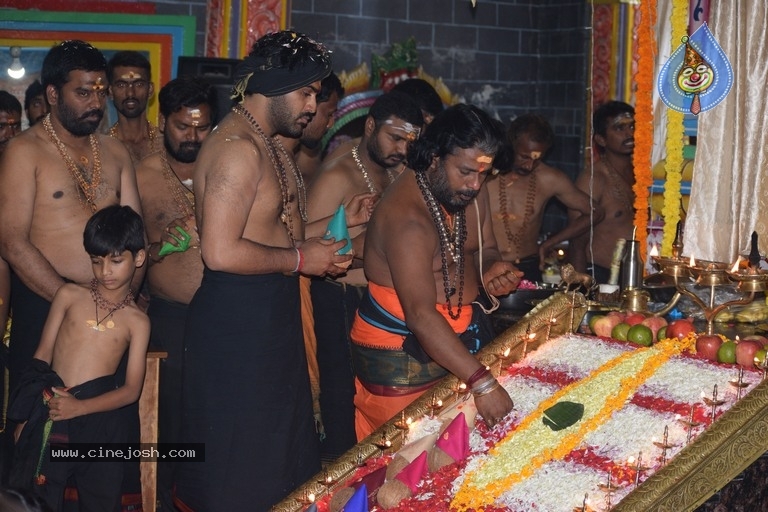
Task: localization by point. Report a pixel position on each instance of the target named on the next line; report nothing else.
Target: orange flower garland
(644, 120)
(674, 143)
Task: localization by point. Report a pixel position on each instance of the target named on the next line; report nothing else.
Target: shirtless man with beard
(187, 106)
(246, 391)
(609, 183)
(365, 170)
(420, 317)
(53, 177)
(521, 192)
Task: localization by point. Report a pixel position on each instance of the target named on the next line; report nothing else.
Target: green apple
(760, 357)
(619, 332)
(727, 352)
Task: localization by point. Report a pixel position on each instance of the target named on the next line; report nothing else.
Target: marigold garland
(674, 143)
(533, 445)
(644, 78)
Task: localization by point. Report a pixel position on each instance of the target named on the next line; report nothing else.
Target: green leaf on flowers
(563, 415)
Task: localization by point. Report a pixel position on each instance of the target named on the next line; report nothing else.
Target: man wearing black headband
(246, 392)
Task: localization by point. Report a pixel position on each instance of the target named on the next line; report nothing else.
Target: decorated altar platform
(675, 462)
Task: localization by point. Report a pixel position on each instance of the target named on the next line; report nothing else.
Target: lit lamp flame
(654, 251)
(692, 262)
(501, 358)
(735, 267)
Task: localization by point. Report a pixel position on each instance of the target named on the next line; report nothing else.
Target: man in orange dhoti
(427, 251)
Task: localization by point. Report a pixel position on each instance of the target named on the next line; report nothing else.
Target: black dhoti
(29, 314)
(98, 481)
(246, 394)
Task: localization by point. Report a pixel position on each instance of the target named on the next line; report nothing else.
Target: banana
(752, 312)
(725, 316)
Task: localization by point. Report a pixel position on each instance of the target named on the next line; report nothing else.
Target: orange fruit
(619, 332)
(640, 334)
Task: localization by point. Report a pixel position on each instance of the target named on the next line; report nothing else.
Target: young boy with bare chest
(69, 394)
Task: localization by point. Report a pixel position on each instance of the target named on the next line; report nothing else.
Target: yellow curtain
(728, 192)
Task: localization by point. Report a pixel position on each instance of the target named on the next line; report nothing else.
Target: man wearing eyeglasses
(130, 88)
(10, 118)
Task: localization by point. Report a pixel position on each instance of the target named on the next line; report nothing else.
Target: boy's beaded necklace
(106, 304)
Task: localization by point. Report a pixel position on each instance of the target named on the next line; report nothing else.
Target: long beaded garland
(282, 177)
(530, 196)
(453, 244)
(87, 186)
(182, 196)
(110, 307)
(299, 180)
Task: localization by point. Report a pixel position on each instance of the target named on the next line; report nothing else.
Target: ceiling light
(16, 70)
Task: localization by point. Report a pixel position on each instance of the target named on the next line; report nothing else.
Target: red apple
(745, 352)
(680, 328)
(655, 323)
(618, 314)
(603, 326)
(761, 339)
(634, 318)
(707, 345)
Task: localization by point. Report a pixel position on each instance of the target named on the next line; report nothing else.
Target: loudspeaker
(218, 72)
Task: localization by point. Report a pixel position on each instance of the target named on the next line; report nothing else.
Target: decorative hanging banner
(697, 76)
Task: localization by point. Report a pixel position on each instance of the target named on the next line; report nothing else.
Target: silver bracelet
(485, 387)
(298, 259)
